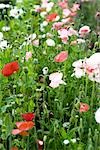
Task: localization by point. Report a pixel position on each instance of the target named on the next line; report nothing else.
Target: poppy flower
(14, 148)
(84, 107)
(10, 68)
(97, 115)
(22, 127)
(25, 125)
(84, 31)
(28, 116)
(51, 17)
(61, 57)
(56, 79)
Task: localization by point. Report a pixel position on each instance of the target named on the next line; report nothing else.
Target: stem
(86, 86)
(92, 95)
(28, 143)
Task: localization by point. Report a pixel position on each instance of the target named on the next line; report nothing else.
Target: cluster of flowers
(24, 126)
(63, 25)
(88, 66)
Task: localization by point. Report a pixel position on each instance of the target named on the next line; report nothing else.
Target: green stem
(28, 143)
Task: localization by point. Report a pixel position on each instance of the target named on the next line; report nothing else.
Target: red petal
(28, 116)
(10, 68)
(51, 17)
(24, 126)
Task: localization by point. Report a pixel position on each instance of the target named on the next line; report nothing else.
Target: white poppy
(97, 115)
(50, 42)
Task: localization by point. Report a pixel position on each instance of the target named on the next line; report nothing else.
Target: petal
(55, 76)
(61, 57)
(26, 125)
(24, 133)
(28, 116)
(16, 131)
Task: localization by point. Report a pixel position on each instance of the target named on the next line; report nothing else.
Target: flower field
(50, 75)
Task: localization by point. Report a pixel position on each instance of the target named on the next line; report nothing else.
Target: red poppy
(10, 68)
(25, 125)
(61, 57)
(84, 107)
(28, 116)
(51, 17)
(22, 127)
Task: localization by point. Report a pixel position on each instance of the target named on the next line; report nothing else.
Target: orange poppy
(24, 126)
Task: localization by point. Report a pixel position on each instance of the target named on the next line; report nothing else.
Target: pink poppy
(56, 79)
(63, 4)
(57, 25)
(84, 107)
(61, 57)
(28, 55)
(84, 31)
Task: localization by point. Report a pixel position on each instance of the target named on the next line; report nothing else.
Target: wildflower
(84, 31)
(63, 4)
(1, 36)
(97, 115)
(15, 12)
(28, 55)
(10, 68)
(71, 32)
(66, 124)
(61, 57)
(45, 70)
(66, 142)
(63, 35)
(66, 13)
(50, 42)
(84, 107)
(75, 7)
(31, 38)
(3, 44)
(56, 79)
(73, 140)
(80, 41)
(36, 42)
(28, 116)
(78, 73)
(5, 28)
(22, 127)
(3, 6)
(51, 17)
(57, 25)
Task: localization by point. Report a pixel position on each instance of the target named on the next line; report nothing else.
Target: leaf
(63, 133)
(31, 106)
(8, 124)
